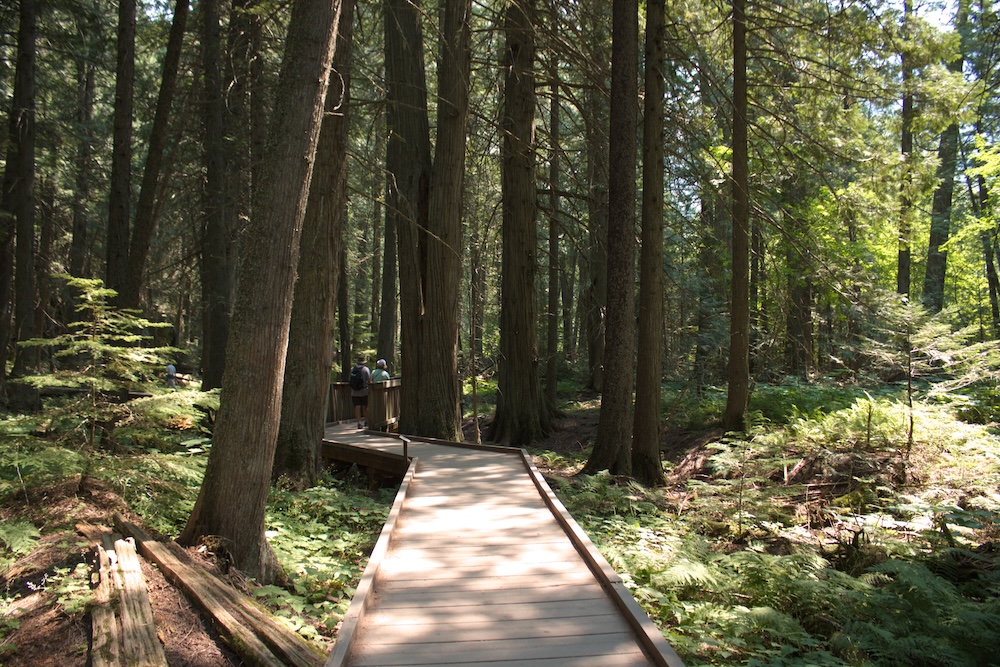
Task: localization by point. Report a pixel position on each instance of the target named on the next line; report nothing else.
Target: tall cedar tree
(408, 165)
(552, 316)
(738, 396)
(145, 213)
(906, 148)
(17, 208)
(437, 376)
(521, 417)
(89, 29)
(310, 334)
(216, 246)
(388, 321)
(119, 205)
(646, 465)
(595, 117)
(613, 442)
(937, 259)
(232, 499)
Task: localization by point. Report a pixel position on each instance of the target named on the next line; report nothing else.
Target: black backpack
(357, 379)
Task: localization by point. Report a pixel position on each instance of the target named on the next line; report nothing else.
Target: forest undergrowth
(827, 535)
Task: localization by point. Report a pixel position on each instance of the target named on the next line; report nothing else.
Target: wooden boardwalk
(480, 564)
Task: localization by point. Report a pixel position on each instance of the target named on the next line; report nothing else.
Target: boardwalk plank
(458, 598)
(470, 614)
(480, 584)
(444, 653)
(492, 629)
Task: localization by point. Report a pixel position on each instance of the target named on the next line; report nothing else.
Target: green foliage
(29, 462)
(322, 537)
(18, 538)
(71, 588)
(911, 616)
(796, 546)
(102, 349)
(161, 488)
(486, 394)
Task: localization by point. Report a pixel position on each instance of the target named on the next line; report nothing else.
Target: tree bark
(119, 206)
(596, 124)
(520, 417)
(311, 332)
(145, 214)
(88, 29)
(18, 207)
(646, 464)
(438, 375)
(234, 493)
(216, 285)
(388, 320)
(408, 168)
(613, 442)
(738, 395)
(906, 149)
(937, 259)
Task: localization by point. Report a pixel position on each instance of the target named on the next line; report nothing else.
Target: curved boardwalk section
(479, 564)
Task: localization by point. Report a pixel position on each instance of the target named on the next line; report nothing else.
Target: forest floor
(48, 637)
(45, 636)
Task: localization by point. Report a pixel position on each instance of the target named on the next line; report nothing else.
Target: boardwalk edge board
(649, 635)
(359, 603)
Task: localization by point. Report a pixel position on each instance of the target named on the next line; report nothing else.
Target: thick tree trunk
(85, 70)
(145, 214)
(613, 442)
(646, 464)
(22, 193)
(408, 168)
(738, 396)
(216, 286)
(234, 493)
(521, 417)
(311, 332)
(596, 126)
(438, 375)
(937, 259)
(119, 206)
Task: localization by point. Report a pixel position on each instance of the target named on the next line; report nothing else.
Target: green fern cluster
(753, 566)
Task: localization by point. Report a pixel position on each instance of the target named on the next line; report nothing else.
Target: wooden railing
(383, 404)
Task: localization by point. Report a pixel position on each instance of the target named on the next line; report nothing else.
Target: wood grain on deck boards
(448, 651)
(416, 614)
(440, 598)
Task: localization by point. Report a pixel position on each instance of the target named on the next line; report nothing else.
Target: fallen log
(105, 638)
(122, 626)
(252, 633)
(140, 644)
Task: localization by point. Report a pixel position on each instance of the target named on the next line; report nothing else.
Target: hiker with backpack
(359, 379)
